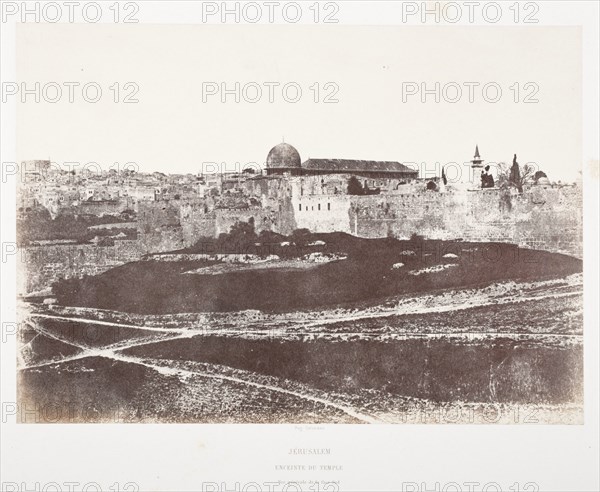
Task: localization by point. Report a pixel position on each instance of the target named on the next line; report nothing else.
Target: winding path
(112, 352)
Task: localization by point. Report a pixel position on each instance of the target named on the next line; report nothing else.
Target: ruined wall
(159, 226)
(177, 226)
(98, 207)
(275, 194)
(164, 238)
(265, 219)
(40, 266)
(152, 215)
(197, 221)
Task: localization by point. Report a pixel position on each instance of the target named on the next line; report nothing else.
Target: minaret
(477, 161)
(476, 167)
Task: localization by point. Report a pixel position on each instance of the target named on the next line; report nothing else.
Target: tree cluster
(516, 176)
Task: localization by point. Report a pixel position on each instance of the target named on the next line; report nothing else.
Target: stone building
(284, 159)
(366, 169)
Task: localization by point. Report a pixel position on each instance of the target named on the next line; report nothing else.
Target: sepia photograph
(349, 287)
(289, 213)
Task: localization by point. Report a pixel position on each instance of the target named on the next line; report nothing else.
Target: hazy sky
(171, 129)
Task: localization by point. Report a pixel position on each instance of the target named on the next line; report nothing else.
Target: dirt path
(171, 371)
(112, 352)
(108, 323)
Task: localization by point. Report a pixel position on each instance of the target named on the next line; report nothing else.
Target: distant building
(365, 169)
(34, 171)
(477, 161)
(285, 159)
(476, 167)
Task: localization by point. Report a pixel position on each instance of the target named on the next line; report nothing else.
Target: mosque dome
(283, 156)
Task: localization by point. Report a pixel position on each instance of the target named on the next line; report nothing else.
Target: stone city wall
(322, 213)
(541, 218)
(40, 266)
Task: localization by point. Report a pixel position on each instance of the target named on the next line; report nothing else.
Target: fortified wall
(40, 266)
(165, 226)
(540, 218)
(323, 213)
(543, 217)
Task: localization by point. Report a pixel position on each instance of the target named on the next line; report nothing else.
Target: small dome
(283, 156)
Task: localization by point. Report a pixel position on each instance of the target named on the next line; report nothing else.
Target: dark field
(159, 287)
(39, 348)
(99, 389)
(520, 358)
(501, 370)
(381, 331)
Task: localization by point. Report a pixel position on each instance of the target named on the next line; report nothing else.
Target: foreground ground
(506, 352)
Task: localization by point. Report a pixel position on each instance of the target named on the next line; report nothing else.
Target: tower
(477, 161)
(476, 168)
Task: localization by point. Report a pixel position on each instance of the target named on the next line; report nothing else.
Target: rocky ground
(508, 352)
